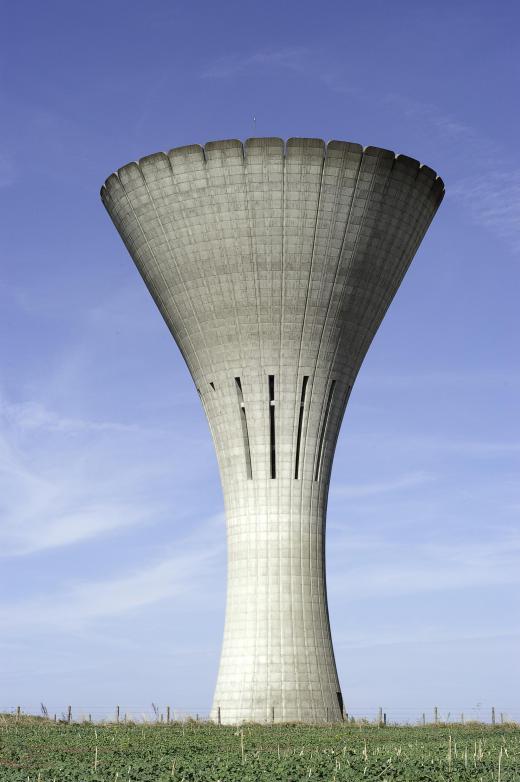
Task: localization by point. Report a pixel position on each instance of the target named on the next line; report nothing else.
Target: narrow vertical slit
(340, 704)
(271, 426)
(245, 432)
(323, 430)
(300, 424)
(212, 384)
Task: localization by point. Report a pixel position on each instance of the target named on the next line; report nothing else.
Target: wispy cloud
(65, 480)
(443, 378)
(492, 198)
(446, 125)
(78, 604)
(303, 61)
(407, 481)
(485, 184)
(399, 568)
(441, 443)
(422, 634)
(34, 415)
(290, 58)
(68, 475)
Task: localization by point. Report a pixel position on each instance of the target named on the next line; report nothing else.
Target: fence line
(154, 713)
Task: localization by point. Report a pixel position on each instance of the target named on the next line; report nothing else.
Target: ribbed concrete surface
(273, 264)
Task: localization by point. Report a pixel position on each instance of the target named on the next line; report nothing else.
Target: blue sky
(112, 539)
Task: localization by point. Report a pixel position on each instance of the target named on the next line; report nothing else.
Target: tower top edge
(258, 147)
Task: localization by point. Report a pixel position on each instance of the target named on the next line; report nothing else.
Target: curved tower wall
(273, 265)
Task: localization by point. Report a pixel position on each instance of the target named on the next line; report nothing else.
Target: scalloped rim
(266, 141)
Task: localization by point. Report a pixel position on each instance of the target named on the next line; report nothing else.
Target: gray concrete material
(273, 265)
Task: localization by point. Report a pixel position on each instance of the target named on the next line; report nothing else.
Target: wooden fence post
(384, 719)
(117, 713)
(493, 721)
(436, 714)
(380, 716)
(218, 716)
(69, 714)
(18, 712)
(423, 718)
(167, 714)
(272, 713)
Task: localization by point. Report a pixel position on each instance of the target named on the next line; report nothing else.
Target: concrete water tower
(273, 264)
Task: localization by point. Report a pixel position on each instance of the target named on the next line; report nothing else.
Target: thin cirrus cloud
(493, 199)
(65, 480)
(291, 58)
(407, 481)
(437, 444)
(397, 569)
(35, 415)
(423, 634)
(453, 379)
(77, 605)
(491, 196)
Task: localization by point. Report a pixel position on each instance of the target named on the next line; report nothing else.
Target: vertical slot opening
(323, 430)
(272, 426)
(212, 384)
(300, 424)
(245, 432)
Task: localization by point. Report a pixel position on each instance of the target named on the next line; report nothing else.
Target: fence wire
(165, 713)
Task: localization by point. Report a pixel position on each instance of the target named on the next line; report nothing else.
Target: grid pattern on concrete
(273, 265)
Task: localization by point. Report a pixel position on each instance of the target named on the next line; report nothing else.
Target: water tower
(273, 264)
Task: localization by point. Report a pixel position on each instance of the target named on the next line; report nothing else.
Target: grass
(39, 750)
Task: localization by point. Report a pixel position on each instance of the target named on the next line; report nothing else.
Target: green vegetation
(38, 750)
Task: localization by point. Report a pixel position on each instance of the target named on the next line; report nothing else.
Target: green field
(38, 750)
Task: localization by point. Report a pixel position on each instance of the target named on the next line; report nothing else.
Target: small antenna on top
(254, 124)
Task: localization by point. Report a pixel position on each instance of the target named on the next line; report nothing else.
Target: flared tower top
(273, 145)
